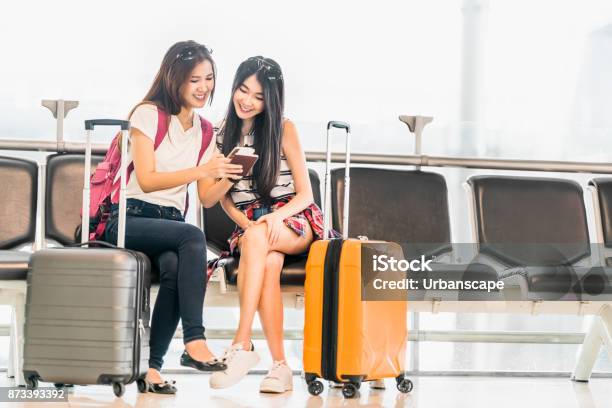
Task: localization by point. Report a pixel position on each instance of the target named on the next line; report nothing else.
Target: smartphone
(246, 160)
(234, 151)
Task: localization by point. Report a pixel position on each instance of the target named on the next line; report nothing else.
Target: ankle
(195, 346)
(153, 374)
(247, 344)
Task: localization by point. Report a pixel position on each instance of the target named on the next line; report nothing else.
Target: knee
(274, 267)
(255, 236)
(193, 238)
(274, 262)
(168, 268)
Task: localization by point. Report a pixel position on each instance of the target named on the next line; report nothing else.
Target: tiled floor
(438, 392)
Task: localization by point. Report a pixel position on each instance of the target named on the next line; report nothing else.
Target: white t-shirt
(178, 151)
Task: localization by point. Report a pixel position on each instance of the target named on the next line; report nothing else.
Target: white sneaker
(239, 361)
(278, 380)
(378, 384)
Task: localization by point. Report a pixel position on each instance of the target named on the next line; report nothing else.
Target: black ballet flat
(161, 388)
(211, 365)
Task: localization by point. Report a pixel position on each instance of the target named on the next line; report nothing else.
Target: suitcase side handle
(91, 123)
(347, 179)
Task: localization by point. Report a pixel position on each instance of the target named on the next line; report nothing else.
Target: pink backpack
(105, 184)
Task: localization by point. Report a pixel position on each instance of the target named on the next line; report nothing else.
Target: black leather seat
(218, 227)
(603, 186)
(64, 195)
(18, 195)
(407, 207)
(411, 208)
(293, 272)
(536, 228)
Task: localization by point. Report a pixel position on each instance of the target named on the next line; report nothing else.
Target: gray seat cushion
(14, 265)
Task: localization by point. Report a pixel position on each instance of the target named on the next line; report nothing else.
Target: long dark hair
(174, 71)
(267, 126)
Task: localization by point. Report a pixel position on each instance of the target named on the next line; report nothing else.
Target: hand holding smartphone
(245, 156)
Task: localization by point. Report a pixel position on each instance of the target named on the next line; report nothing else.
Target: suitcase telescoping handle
(89, 126)
(123, 124)
(347, 180)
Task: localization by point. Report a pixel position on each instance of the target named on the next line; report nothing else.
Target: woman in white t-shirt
(169, 151)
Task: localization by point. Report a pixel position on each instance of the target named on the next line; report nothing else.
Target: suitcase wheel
(32, 382)
(349, 390)
(142, 385)
(404, 385)
(118, 389)
(315, 387)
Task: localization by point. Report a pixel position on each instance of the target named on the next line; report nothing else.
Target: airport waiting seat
(17, 214)
(63, 195)
(18, 200)
(218, 227)
(404, 206)
(534, 232)
(409, 207)
(602, 198)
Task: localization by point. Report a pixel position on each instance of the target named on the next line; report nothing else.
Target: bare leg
(271, 305)
(254, 249)
(153, 376)
(198, 350)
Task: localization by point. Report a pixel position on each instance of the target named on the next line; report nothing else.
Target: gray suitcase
(87, 309)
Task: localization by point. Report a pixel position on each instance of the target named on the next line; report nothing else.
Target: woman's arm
(151, 180)
(296, 161)
(303, 197)
(235, 214)
(211, 191)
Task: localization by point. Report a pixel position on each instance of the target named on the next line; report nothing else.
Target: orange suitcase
(346, 339)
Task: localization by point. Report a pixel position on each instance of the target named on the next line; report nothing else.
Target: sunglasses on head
(191, 52)
(262, 65)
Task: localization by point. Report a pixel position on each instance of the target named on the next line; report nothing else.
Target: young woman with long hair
(157, 199)
(274, 212)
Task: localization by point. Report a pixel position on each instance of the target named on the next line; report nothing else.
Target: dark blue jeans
(178, 250)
